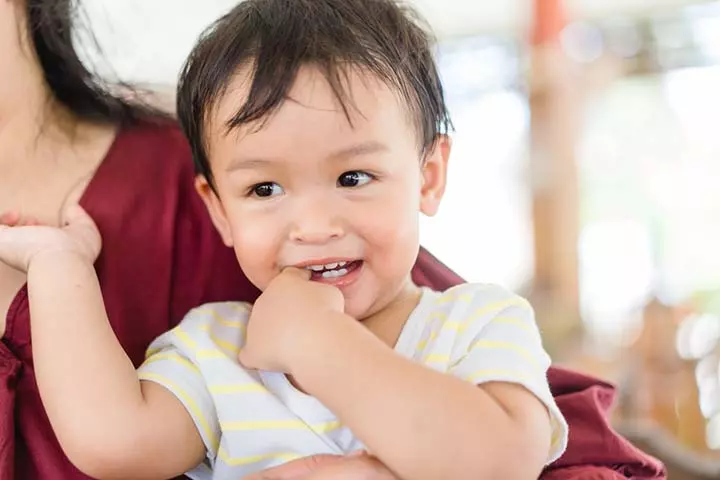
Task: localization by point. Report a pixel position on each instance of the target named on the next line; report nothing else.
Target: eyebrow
(360, 149)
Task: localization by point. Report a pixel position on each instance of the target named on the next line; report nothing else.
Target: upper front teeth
(329, 266)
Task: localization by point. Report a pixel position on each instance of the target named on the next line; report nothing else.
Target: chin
(362, 309)
(359, 314)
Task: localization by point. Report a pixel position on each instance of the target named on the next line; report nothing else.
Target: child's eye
(354, 179)
(266, 190)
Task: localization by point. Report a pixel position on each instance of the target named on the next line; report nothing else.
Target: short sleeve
(169, 363)
(501, 342)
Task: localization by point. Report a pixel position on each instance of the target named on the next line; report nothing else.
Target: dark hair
(51, 26)
(277, 37)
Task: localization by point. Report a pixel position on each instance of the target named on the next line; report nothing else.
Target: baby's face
(312, 190)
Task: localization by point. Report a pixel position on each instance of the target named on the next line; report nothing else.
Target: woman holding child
(64, 140)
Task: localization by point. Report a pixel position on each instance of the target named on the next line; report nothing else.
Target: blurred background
(585, 175)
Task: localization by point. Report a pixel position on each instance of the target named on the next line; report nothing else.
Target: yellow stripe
(210, 354)
(220, 319)
(204, 354)
(494, 373)
(326, 427)
(245, 308)
(239, 324)
(278, 425)
(152, 351)
(488, 309)
(517, 322)
(173, 357)
(454, 297)
(437, 315)
(500, 306)
(437, 358)
(241, 388)
(188, 400)
(456, 326)
(183, 336)
(555, 439)
(424, 343)
(225, 345)
(235, 462)
(496, 345)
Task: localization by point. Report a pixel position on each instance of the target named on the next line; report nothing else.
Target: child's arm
(108, 423)
(424, 424)
(421, 423)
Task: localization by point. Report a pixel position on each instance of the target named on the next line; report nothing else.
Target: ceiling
(147, 40)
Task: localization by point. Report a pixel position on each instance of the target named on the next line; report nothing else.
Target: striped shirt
(252, 420)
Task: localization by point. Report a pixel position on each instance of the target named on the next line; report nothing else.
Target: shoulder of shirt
(477, 294)
(222, 313)
(476, 304)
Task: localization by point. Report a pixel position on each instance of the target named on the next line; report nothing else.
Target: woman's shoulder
(151, 143)
(146, 184)
(149, 162)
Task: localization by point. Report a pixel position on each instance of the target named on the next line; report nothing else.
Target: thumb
(75, 215)
(301, 273)
(245, 357)
(82, 227)
(77, 220)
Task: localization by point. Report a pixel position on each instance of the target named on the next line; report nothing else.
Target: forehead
(312, 116)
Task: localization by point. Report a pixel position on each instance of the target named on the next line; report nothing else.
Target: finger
(76, 215)
(29, 222)
(297, 469)
(78, 220)
(10, 218)
(302, 273)
(246, 359)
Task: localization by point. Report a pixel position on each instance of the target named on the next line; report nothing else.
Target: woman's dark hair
(277, 37)
(51, 25)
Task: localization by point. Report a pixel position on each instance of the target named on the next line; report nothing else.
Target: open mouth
(332, 271)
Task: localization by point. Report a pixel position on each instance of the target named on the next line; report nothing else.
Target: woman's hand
(24, 240)
(357, 466)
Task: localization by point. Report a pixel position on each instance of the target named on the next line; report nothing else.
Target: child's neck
(387, 324)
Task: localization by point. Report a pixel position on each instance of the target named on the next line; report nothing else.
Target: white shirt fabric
(253, 420)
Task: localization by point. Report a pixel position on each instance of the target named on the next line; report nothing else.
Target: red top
(161, 257)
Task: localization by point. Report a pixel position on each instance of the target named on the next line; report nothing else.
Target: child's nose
(317, 222)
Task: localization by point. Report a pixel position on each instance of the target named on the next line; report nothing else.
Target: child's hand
(23, 240)
(290, 314)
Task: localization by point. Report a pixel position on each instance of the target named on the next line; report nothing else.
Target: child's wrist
(58, 258)
(319, 344)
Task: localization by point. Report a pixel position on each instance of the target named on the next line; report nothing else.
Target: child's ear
(434, 175)
(215, 209)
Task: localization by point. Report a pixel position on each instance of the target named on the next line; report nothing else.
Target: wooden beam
(555, 116)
